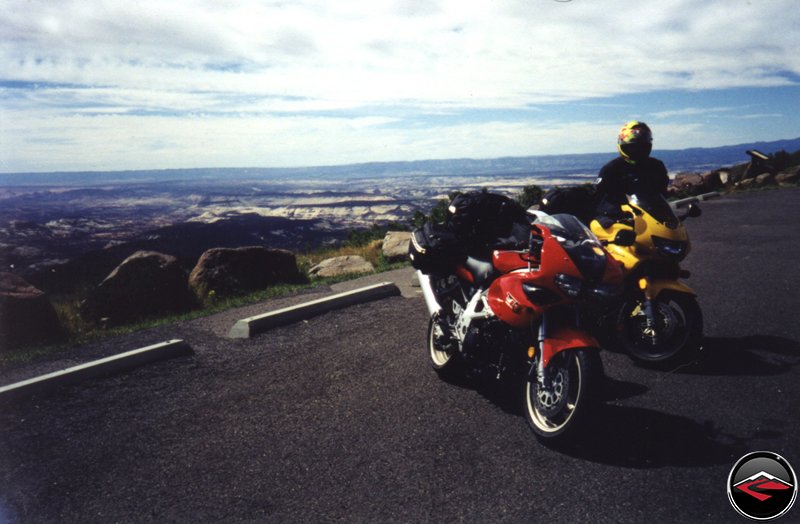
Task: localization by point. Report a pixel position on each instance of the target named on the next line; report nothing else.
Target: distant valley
(45, 227)
(65, 226)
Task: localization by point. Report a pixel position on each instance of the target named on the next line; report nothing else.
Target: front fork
(554, 337)
(538, 367)
(651, 289)
(649, 312)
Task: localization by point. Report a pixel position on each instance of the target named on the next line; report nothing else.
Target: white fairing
(427, 293)
(477, 308)
(538, 215)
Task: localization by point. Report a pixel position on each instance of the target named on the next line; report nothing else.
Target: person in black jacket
(633, 172)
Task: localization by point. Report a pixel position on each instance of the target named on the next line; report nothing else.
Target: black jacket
(619, 178)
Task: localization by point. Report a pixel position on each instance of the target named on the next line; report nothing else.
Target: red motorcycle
(517, 314)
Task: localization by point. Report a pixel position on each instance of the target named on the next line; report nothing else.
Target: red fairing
(564, 338)
(507, 261)
(508, 300)
(463, 273)
(506, 296)
(555, 259)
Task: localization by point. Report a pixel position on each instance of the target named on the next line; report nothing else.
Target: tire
(443, 361)
(679, 328)
(576, 375)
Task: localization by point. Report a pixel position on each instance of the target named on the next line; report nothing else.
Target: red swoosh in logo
(760, 484)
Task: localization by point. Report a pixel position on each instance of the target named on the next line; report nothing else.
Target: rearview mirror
(694, 211)
(625, 237)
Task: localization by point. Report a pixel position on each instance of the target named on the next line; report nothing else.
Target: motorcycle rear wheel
(679, 328)
(561, 411)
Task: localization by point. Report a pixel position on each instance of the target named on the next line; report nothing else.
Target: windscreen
(579, 242)
(657, 206)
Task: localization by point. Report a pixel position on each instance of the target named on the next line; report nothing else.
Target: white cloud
(276, 65)
(691, 111)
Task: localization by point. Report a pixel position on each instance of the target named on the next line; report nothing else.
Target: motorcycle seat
(482, 271)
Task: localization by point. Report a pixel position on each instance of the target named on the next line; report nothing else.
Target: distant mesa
(682, 159)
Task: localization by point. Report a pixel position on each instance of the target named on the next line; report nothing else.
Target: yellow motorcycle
(659, 322)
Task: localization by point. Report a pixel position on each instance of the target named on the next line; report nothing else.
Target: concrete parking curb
(250, 326)
(96, 368)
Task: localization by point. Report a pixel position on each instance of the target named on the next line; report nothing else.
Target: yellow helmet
(635, 141)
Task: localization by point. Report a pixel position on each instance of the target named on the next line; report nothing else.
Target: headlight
(569, 285)
(676, 249)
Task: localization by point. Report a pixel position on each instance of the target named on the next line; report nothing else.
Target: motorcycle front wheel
(442, 357)
(673, 338)
(559, 410)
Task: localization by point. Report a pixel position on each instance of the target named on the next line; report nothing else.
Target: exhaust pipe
(427, 293)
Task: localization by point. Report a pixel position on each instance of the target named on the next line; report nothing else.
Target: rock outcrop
(762, 180)
(344, 265)
(698, 183)
(26, 314)
(231, 271)
(144, 284)
(765, 179)
(789, 177)
(395, 245)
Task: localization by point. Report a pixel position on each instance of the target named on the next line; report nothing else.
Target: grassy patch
(372, 252)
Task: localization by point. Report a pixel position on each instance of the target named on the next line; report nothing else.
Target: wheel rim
(439, 357)
(550, 411)
(669, 337)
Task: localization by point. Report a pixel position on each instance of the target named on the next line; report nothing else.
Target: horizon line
(382, 162)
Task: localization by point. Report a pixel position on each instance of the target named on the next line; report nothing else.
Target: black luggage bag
(572, 200)
(434, 248)
(482, 216)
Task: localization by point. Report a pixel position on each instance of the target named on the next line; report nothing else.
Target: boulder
(144, 284)
(746, 183)
(344, 265)
(395, 245)
(788, 177)
(231, 271)
(765, 179)
(26, 314)
(698, 183)
(713, 180)
(690, 183)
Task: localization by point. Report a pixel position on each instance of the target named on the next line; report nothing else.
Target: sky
(93, 85)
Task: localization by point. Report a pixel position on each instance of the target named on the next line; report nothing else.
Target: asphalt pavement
(340, 418)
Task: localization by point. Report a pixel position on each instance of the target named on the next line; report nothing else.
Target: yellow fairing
(646, 227)
(657, 286)
(624, 254)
